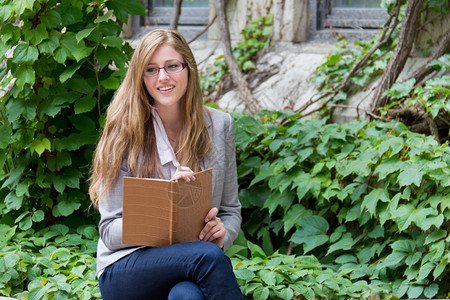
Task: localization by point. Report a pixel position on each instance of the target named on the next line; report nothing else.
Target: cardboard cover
(158, 212)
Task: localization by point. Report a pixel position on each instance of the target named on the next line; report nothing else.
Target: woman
(155, 123)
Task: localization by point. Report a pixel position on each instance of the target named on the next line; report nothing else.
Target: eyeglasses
(171, 67)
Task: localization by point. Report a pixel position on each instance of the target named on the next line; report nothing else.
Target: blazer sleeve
(110, 207)
(226, 185)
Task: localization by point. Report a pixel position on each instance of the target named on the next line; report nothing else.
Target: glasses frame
(183, 64)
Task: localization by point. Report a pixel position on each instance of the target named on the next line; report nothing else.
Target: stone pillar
(290, 18)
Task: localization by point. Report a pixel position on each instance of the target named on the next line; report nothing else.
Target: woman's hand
(214, 230)
(183, 173)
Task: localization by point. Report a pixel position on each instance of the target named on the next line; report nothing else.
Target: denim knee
(212, 253)
(185, 290)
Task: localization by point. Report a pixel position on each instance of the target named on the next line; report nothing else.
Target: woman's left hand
(214, 230)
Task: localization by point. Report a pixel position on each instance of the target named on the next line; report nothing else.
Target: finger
(211, 214)
(186, 169)
(215, 232)
(207, 228)
(217, 235)
(187, 175)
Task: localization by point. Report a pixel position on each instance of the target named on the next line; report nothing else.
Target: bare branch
(401, 52)
(204, 29)
(237, 76)
(176, 14)
(423, 71)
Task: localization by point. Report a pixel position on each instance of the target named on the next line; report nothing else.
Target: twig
(204, 29)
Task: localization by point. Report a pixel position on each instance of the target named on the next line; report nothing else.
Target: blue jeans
(196, 270)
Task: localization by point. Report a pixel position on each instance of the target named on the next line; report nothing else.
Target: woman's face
(166, 89)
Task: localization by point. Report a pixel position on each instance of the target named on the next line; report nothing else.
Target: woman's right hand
(183, 173)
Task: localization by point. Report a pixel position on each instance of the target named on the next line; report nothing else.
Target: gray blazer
(225, 194)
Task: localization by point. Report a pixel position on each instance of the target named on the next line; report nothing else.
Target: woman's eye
(151, 69)
(173, 66)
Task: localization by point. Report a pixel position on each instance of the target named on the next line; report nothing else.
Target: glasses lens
(151, 71)
(173, 67)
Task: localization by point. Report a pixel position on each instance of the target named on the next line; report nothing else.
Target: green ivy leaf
(37, 35)
(58, 183)
(12, 201)
(84, 33)
(425, 270)
(244, 274)
(360, 166)
(72, 177)
(68, 72)
(123, 8)
(441, 267)
(11, 260)
(261, 293)
(435, 236)
(345, 243)
(406, 214)
(387, 167)
(26, 223)
(410, 175)
(7, 232)
(440, 7)
(312, 234)
(66, 208)
(5, 135)
(5, 12)
(60, 229)
(293, 216)
(70, 14)
(268, 277)
(49, 45)
(24, 74)
(431, 290)
(113, 41)
(51, 19)
(414, 291)
(20, 6)
(393, 259)
(63, 159)
(395, 144)
(407, 246)
(255, 250)
(10, 33)
(39, 146)
(111, 83)
(370, 201)
(25, 54)
(265, 171)
(85, 104)
(37, 216)
(400, 89)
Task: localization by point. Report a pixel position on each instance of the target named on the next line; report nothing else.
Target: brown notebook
(158, 212)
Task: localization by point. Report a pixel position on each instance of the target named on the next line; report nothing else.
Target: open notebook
(158, 212)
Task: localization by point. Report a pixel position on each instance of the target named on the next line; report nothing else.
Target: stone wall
(290, 18)
(435, 28)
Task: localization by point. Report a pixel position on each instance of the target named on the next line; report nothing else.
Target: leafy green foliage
(256, 36)
(338, 63)
(372, 197)
(52, 263)
(280, 276)
(63, 62)
(433, 96)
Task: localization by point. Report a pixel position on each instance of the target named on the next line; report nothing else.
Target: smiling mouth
(166, 88)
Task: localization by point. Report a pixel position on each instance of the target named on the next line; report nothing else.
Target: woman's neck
(171, 119)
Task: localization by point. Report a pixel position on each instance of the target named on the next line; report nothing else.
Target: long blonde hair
(129, 129)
